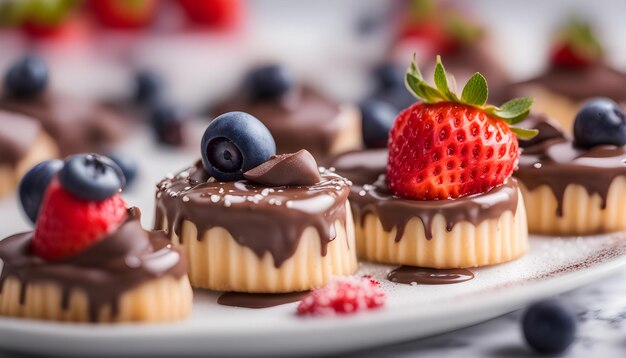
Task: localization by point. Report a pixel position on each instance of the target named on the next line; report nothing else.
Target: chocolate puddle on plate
(259, 300)
(429, 276)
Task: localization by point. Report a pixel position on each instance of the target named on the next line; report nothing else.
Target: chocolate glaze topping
(264, 219)
(301, 119)
(259, 300)
(18, 133)
(291, 169)
(360, 166)
(429, 276)
(596, 80)
(120, 262)
(558, 163)
(395, 212)
(76, 125)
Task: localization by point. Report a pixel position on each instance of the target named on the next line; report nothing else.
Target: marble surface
(601, 311)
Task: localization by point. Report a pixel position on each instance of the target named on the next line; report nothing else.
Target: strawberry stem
(475, 93)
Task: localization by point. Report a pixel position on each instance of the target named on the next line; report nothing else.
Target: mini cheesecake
(129, 276)
(441, 195)
(285, 228)
(474, 231)
(23, 143)
(75, 125)
(300, 117)
(577, 72)
(568, 189)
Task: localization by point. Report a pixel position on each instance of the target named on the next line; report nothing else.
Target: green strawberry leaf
(475, 91)
(441, 81)
(514, 108)
(524, 133)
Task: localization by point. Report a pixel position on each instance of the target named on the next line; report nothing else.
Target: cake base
(582, 214)
(160, 300)
(217, 262)
(492, 241)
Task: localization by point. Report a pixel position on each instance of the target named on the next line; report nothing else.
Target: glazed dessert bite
(88, 258)
(298, 116)
(23, 143)
(577, 72)
(252, 221)
(576, 185)
(436, 28)
(447, 199)
(75, 125)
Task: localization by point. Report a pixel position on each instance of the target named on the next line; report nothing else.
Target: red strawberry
(565, 56)
(576, 46)
(214, 13)
(124, 14)
(342, 296)
(448, 147)
(67, 225)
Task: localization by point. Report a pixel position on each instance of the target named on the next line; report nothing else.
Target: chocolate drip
(259, 300)
(120, 262)
(18, 133)
(596, 80)
(301, 119)
(261, 218)
(360, 166)
(559, 163)
(395, 212)
(291, 169)
(429, 276)
(76, 125)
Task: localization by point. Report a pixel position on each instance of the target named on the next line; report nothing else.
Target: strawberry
(448, 147)
(576, 46)
(124, 14)
(342, 296)
(213, 13)
(68, 225)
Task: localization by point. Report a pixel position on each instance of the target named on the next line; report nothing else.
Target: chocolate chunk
(294, 169)
(547, 127)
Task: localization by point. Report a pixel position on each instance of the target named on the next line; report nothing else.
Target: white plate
(552, 266)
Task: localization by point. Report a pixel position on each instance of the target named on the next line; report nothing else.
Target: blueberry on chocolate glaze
(549, 326)
(148, 86)
(168, 122)
(234, 143)
(27, 77)
(33, 186)
(269, 82)
(600, 121)
(377, 119)
(91, 176)
(128, 166)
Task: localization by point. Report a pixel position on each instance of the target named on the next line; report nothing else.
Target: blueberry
(33, 186)
(377, 119)
(549, 326)
(27, 77)
(168, 123)
(91, 177)
(234, 143)
(600, 121)
(148, 86)
(388, 77)
(268, 82)
(127, 164)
